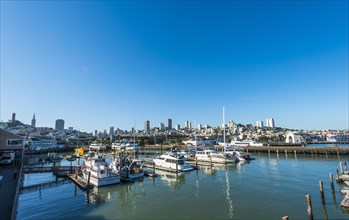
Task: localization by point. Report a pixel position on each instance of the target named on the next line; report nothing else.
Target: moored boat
(101, 173)
(173, 161)
(213, 156)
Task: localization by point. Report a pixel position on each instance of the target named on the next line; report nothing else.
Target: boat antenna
(196, 143)
(134, 139)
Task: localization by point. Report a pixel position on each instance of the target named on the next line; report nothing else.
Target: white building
(270, 123)
(259, 124)
(293, 138)
(161, 126)
(178, 127)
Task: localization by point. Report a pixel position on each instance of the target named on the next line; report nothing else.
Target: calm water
(267, 188)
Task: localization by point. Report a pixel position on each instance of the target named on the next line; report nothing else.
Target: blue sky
(98, 64)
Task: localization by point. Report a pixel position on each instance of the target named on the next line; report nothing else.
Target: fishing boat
(101, 173)
(129, 169)
(238, 153)
(173, 161)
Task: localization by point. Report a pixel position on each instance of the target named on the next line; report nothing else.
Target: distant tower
(13, 117)
(169, 124)
(147, 125)
(111, 131)
(33, 121)
(59, 124)
(259, 124)
(178, 127)
(199, 127)
(161, 126)
(270, 123)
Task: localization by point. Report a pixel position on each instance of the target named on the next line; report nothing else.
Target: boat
(129, 169)
(213, 156)
(238, 153)
(95, 146)
(101, 173)
(173, 161)
(53, 157)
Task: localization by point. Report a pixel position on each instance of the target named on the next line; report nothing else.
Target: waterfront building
(41, 142)
(10, 141)
(59, 124)
(178, 127)
(169, 124)
(259, 124)
(270, 123)
(293, 138)
(33, 121)
(147, 126)
(161, 126)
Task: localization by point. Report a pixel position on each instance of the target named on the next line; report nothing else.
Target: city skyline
(107, 64)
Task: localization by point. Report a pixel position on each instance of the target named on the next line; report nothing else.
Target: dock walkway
(80, 182)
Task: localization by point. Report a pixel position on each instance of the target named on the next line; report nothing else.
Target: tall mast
(224, 129)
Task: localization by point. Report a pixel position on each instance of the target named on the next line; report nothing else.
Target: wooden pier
(80, 182)
(299, 150)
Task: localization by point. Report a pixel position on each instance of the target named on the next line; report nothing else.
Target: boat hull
(104, 181)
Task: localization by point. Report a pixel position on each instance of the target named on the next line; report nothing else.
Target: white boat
(173, 160)
(214, 157)
(95, 146)
(101, 173)
(238, 153)
(128, 169)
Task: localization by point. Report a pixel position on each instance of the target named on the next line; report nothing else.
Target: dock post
(322, 192)
(286, 152)
(341, 167)
(277, 151)
(295, 152)
(309, 207)
(88, 179)
(153, 167)
(211, 160)
(337, 176)
(76, 172)
(176, 166)
(284, 218)
(196, 162)
(331, 182)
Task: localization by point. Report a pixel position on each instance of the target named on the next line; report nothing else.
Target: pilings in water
(309, 207)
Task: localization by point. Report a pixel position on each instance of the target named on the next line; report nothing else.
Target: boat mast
(224, 129)
(196, 143)
(134, 139)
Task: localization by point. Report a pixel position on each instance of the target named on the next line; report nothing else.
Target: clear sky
(98, 64)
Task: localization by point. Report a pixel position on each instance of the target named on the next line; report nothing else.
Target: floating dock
(80, 182)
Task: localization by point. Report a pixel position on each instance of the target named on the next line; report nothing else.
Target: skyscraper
(259, 124)
(147, 125)
(33, 121)
(270, 123)
(59, 124)
(161, 126)
(111, 130)
(178, 127)
(169, 124)
(13, 117)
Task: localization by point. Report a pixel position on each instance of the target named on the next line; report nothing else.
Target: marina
(223, 190)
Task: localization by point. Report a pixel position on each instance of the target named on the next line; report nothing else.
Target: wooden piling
(76, 172)
(331, 182)
(277, 151)
(88, 179)
(341, 167)
(176, 166)
(322, 192)
(337, 176)
(309, 207)
(284, 218)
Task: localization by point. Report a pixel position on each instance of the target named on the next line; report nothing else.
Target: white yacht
(172, 160)
(128, 169)
(95, 146)
(238, 153)
(101, 173)
(214, 157)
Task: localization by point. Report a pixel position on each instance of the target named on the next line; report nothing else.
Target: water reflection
(98, 195)
(173, 180)
(228, 197)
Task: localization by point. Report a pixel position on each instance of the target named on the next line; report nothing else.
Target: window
(14, 142)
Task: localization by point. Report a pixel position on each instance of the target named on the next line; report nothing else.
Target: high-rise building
(259, 124)
(270, 123)
(13, 117)
(111, 130)
(147, 125)
(169, 124)
(59, 124)
(33, 121)
(178, 127)
(161, 126)
(186, 125)
(199, 127)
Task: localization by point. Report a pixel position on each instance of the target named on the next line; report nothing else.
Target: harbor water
(269, 187)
